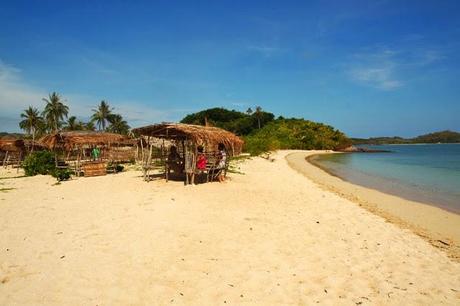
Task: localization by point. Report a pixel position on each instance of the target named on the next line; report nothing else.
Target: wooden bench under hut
(90, 152)
(174, 147)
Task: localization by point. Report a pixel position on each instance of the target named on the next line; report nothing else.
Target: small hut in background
(186, 139)
(12, 151)
(90, 152)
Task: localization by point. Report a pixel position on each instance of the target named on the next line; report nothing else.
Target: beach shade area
(90, 152)
(12, 151)
(181, 142)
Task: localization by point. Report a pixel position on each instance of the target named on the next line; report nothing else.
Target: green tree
(32, 122)
(89, 126)
(249, 111)
(74, 125)
(55, 111)
(118, 124)
(101, 115)
(237, 122)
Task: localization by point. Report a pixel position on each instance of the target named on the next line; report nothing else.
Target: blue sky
(369, 68)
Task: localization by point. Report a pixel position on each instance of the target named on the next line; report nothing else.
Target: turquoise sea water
(426, 173)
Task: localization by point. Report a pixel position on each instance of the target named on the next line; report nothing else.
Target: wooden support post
(5, 159)
(19, 162)
(149, 159)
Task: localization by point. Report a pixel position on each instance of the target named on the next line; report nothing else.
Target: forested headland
(262, 132)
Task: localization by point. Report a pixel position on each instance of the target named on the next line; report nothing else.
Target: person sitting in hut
(174, 161)
(221, 162)
(201, 159)
(201, 162)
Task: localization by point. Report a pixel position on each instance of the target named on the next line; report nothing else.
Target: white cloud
(16, 95)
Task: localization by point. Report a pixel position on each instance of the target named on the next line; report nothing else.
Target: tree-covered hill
(437, 137)
(11, 135)
(230, 120)
(295, 134)
(442, 137)
(273, 134)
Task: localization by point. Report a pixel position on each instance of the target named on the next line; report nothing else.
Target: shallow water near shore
(426, 173)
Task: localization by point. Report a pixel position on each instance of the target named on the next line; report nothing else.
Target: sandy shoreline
(269, 236)
(440, 227)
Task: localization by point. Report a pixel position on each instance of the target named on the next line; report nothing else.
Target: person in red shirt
(201, 159)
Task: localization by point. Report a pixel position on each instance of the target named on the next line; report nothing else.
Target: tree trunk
(33, 139)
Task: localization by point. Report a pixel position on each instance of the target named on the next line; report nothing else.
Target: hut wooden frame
(187, 138)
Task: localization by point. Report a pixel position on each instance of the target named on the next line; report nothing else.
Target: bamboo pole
(183, 161)
(5, 159)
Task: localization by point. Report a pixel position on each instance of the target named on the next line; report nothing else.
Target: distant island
(436, 137)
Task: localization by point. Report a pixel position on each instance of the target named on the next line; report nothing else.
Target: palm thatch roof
(72, 139)
(200, 135)
(11, 144)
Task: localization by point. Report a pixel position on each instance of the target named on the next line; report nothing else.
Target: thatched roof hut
(11, 145)
(77, 139)
(199, 135)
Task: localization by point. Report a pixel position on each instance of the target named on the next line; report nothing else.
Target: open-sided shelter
(11, 151)
(186, 138)
(78, 147)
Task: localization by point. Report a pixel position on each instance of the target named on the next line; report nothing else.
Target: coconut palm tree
(101, 115)
(32, 122)
(117, 124)
(249, 111)
(55, 111)
(89, 126)
(74, 125)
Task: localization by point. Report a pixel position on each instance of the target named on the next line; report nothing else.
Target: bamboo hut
(186, 138)
(77, 148)
(11, 151)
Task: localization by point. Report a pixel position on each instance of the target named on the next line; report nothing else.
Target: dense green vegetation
(231, 120)
(262, 132)
(44, 163)
(295, 134)
(41, 162)
(437, 137)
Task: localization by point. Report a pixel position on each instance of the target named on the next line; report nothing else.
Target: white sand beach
(269, 236)
(438, 226)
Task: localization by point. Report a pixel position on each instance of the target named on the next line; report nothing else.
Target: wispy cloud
(380, 77)
(376, 69)
(390, 69)
(15, 94)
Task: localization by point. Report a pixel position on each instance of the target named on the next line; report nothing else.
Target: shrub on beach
(42, 162)
(61, 174)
